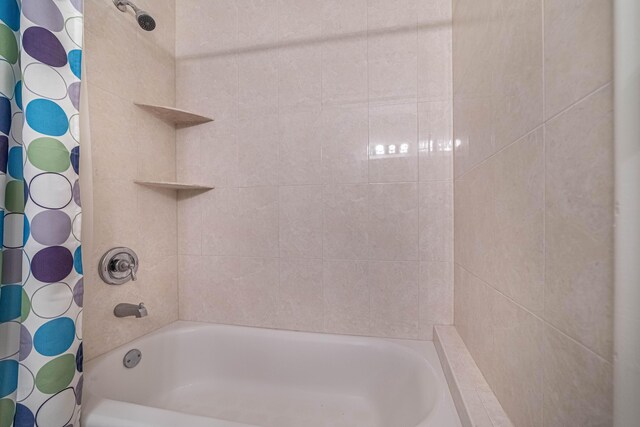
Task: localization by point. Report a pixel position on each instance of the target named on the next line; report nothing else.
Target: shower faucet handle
(118, 266)
(126, 266)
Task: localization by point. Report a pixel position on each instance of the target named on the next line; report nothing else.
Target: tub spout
(126, 310)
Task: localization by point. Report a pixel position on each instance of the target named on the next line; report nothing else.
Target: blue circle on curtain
(26, 229)
(10, 14)
(10, 302)
(54, 337)
(5, 115)
(9, 375)
(75, 159)
(47, 117)
(75, 62)
(24, 417)
(15, 162)
(19, 94)
(77, 260)
(52, 264)
(79, 357)
(4, 153)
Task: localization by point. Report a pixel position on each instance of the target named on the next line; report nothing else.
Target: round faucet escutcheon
(118, 266)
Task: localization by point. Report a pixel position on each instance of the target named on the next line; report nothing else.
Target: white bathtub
(197, 375)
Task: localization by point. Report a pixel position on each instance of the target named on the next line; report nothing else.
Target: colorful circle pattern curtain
(41, 286)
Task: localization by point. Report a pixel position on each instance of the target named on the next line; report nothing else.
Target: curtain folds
(41, 286)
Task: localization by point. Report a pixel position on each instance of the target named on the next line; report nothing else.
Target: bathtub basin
(204, 375)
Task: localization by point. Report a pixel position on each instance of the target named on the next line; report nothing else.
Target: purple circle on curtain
(74, 94)
(26, 343)
(44, 13)
(4, 153)
(78, 292)
(51, 227)
(79, 359)
(79, 389)
(11, 266)
(76, 193)
(75, 159)
(52, 264)
(44, 46)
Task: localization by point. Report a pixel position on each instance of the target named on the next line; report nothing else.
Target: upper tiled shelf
(174, 185)
(175, 116)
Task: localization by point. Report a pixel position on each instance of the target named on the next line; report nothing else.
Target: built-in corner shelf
(179, 118)
(174, 185)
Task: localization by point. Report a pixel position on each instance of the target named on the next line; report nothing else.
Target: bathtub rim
(421, 349)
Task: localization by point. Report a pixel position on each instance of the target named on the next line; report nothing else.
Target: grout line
(544, 187)
(538, 317)
(528, 133)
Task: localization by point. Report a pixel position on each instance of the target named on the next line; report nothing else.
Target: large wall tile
(436, 221)
(346, 297)
(344, 17)
(517, 91)
(241, 221)
(393, 65)
(472, 133)
(393, 143)
(519, 215)
(300, 295)
(393, 221)
(157, 221)
(258, 80)
(436, 296)
(204, 27)
(515, 371)
(299, 19)
(344, 70)
(473, 301)
(232, 290)
(190, 222)
(579, 237)
(578, 385)
(578, 56)
(345, 144)
(300, 147)
(257, 23)
(435, 148)
(300, 76)
(301, 221)
(475, 222)
(394, 300)
(112, 154)
(258, 153)
(346, 233)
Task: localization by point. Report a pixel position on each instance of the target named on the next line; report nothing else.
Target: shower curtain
(41, 263)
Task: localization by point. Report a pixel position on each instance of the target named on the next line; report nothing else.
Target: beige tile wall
(534, 204)
(308, 228)
(126, 65)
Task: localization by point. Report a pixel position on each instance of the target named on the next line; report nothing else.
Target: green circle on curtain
(57, 374)
(8, 44)
(14, 196)
(26, 306)
(49, 154)
(7, 411)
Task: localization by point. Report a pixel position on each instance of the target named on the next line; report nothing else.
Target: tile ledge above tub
(476, 403)
(175, 116)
